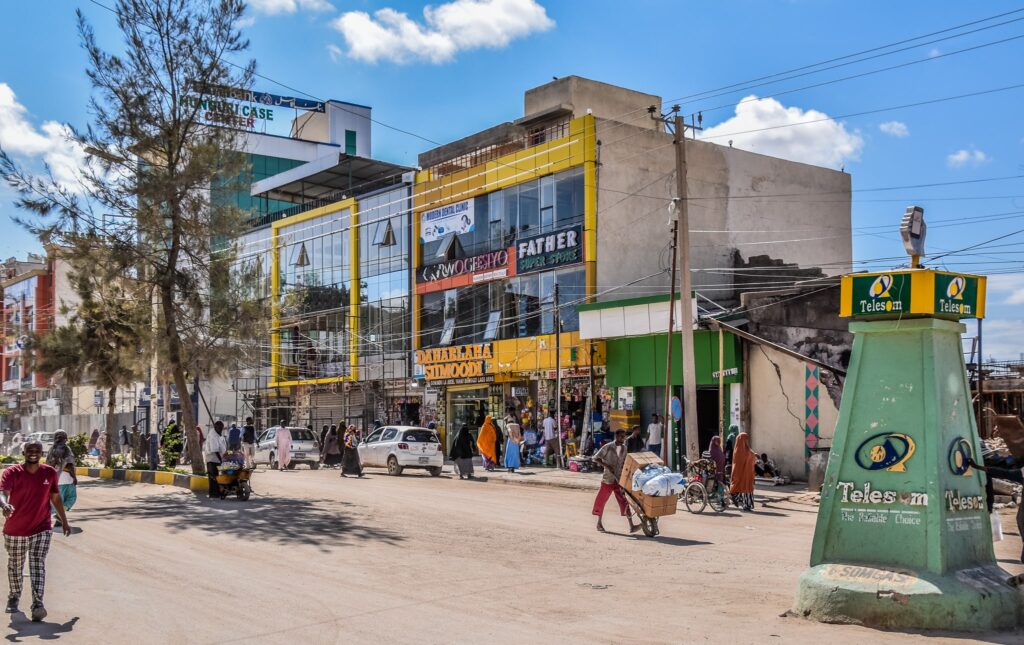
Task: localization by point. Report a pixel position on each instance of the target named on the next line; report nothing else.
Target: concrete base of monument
(976, 599)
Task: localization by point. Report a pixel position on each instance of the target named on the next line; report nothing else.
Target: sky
(448, 69)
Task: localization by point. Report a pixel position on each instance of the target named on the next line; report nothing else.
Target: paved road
(320, 559)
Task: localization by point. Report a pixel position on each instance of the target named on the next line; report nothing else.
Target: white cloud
(50, 142)
(897, 129)
(335, 52)
(1002, 338)
(273, 7)
(459, 25)
(964, 157)
(1011, 284)
(763, 126)
(243, 23)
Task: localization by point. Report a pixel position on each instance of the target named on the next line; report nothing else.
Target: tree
(102, 338)
(154, 171)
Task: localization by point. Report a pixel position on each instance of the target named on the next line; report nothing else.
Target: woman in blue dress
(512, 444)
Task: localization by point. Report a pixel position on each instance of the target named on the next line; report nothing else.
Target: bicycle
(703, 488)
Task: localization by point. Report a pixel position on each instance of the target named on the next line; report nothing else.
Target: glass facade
(532, 207)
(313, 297)
(384, 271)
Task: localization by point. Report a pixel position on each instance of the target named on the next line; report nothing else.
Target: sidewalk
(538, 476)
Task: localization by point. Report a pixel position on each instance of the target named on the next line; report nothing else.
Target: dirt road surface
(319, 559)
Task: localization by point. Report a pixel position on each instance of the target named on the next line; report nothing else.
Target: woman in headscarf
(93, 440)
(284, 447)
(742, 489)
(331, 455)
(718, 456)
(486, 442)
(515, 438)
(63, 461)
(462, 452)
(350, 458)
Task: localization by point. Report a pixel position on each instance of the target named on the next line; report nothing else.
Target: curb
(195, 483)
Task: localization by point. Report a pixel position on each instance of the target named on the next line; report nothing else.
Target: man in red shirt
(26, 492)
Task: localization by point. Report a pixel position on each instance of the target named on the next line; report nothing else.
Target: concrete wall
(769, 206)
(73, 423)
(603, 100)
(778, 406)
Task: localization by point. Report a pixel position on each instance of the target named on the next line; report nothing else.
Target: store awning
(331, 176)
(640, 360)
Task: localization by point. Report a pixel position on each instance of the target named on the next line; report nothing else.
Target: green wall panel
(640, 360)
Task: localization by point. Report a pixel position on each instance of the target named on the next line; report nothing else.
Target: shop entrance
(465, 406)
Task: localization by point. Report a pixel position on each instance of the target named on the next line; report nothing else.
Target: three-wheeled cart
(648, 508)
(233, 479)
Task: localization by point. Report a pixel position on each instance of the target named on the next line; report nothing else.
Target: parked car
(305, 449)
(399, 447)
(45, 438)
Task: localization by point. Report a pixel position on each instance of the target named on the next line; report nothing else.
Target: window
(384, 235)
(448, 332)
(547, 302)
(350, 142)
(271, 434)
(389, 434)
(491, 330)
(529, 208)
(571, 292)
(420, 436)
(374, 436)
(547, 204)
(568, 198)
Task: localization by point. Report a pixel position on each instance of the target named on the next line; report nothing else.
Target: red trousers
(602, 499)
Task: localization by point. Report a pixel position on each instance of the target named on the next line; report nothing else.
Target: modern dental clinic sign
(549, 250)
(249, 109)
(454, 218)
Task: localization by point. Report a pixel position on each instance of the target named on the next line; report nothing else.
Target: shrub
(79, 447)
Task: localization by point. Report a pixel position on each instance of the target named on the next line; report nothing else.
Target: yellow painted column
(355, 290)
(275, 308)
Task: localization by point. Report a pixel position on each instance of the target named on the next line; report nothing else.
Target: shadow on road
(312, 522)
(44, 631)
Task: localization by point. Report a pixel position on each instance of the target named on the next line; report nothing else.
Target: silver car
(304, 450)
(399, 447)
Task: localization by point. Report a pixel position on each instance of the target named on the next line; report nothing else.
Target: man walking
(234, 438)
(125, 442)
(26, 493)
(216, 446)
(611, 457)
(654, 433)
(551, 438)
(249, 442)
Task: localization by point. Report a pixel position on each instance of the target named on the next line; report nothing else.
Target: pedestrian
(730, 445)
(234, 438)
(62, 460)
(284, 447)
(742, 489)
(136, 448)
(718, 456)
(462, 452)
(1015, 475)
(654, 434)
(26, 492)
(331, 453)
(323, 433)
(125, 441)
(515, 439)
(635, 442)
(216, 446)
(249, 443)
(350, 457)
(153, 440)
(486, 442)
(550, 438)
(765, 467)
(611, 457)
(94, 439)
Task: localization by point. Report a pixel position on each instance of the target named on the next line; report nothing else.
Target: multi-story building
(571, 202)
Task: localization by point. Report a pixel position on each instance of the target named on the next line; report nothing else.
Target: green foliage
(79, 445)
(171, 445)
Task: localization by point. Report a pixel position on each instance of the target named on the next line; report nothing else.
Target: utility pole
(558, 378)
(669, 418)
(982, 430)
(685, 297)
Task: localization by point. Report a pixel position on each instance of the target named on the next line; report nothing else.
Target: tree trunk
(188, 417)
(112, 438)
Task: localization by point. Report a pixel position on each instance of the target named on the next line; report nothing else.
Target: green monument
(903, 537)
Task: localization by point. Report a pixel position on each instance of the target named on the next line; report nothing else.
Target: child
(67, 484)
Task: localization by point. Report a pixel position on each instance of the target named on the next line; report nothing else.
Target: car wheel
(393, 468)
(273, 462)
(314, 466)
(435, 471)
(291, 465)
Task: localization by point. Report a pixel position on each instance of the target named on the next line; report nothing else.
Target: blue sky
(464, 65)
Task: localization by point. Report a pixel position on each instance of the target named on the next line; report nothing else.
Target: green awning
(640, 360)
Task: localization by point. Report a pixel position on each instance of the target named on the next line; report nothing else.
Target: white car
(305, 449)
(45, 438)
(399, 447)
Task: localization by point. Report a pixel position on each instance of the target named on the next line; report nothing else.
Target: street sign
(677, 408)
(914, 293)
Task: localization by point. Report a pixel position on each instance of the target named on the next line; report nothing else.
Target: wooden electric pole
(669, 419)
(685, 296)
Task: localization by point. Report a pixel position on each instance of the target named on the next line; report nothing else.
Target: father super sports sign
(549, 250)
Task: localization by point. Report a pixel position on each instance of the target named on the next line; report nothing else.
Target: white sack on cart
(664, 485)
(647, 473)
